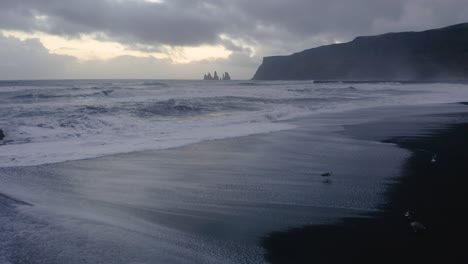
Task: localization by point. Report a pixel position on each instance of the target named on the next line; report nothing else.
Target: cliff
(432, 55)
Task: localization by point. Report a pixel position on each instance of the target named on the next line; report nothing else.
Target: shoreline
(223, 194)
(290, 124)
(435, 191)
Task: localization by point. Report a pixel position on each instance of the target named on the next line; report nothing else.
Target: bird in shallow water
(434, 158)
(326, 174)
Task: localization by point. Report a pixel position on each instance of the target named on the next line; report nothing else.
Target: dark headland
(432, 55)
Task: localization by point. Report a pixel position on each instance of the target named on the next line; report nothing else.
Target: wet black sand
(212, 202)
(435, 191)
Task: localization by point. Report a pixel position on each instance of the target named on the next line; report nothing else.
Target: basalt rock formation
(432, 55)
(215, 77)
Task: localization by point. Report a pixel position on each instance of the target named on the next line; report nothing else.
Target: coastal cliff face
(433, 55)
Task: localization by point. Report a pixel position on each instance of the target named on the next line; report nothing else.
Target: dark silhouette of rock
(208, 77)
(2, 134)
(226, 76)
(215, 77)
(432, 55)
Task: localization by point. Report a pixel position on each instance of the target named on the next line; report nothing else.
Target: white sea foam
(49, 122)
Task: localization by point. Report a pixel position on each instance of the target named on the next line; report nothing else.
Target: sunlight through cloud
(87, 47)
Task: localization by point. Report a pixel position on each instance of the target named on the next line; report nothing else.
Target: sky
(184, 39)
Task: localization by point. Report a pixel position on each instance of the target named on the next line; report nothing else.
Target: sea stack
(208, 77)
(215, 77)
(226, 76)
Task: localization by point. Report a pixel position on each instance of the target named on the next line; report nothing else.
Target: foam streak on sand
(56, 121)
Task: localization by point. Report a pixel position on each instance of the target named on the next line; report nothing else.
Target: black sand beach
(435, 191)
(220, 201)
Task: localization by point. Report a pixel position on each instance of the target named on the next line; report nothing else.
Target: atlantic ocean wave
(56, 121)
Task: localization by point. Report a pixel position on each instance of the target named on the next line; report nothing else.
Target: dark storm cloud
(128, 21)
(253, 27)
(191, 22)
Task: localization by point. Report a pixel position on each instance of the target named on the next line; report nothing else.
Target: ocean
(55, 121)
(168, 171)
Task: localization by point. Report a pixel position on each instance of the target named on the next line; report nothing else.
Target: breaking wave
(56, 121)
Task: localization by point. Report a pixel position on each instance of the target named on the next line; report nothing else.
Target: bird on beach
(327, 181)
(409, 215)
(415, 225)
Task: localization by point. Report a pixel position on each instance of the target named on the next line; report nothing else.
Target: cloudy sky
(183, 39)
